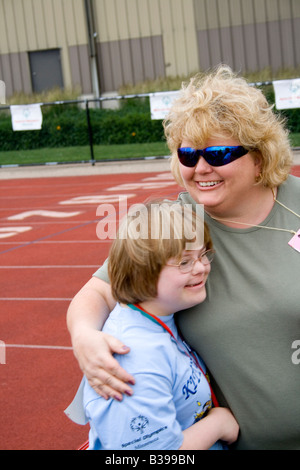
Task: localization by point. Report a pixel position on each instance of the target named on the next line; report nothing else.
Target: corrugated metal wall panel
(287, 43)
(40, 24)
(143, 17)
(9, 16)
(86, 79)
(134, 18)
(263, 52)
(25, 69)
(30, 27)
(16, 71)
(248, 34)
(146, 39)
(3, 33)
(130, 61)
(51, 30)
(6, 73)
(76, 69)
(296, 35)
(20, 29)
(154, 17)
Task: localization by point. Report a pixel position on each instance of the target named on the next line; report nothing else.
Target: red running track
(49, 249)
(45, 259)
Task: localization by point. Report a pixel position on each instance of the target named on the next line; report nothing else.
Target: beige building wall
(248, 34)
(38, 25)
(173, 20)
(137, 40)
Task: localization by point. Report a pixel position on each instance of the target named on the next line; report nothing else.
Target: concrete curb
(101, 168)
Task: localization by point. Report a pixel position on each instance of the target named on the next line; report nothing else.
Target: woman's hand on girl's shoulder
(94, 351)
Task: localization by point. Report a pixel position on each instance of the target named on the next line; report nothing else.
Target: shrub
(66, 125)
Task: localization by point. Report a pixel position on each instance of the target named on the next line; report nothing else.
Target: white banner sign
(287, 93)
(160, 103)
(26, 117)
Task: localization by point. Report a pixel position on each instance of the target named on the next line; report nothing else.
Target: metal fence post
(90, 131)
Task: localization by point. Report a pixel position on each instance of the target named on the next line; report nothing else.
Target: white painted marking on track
(38, 299)
(51, 266)
(38, 346)
(45, 242)
(43, 213)
(97, 199)
(6, 232)
(133, 186)
(162, 176)
(51, 222)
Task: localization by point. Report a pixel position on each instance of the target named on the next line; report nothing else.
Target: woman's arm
(219, 424)
(93, 349)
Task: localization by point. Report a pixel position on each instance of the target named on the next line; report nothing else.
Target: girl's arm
(93, 349)
(120, 425)
(219, 424)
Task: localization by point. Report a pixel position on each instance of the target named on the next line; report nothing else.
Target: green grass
(295, 140)
(80, 154)
(101, 153)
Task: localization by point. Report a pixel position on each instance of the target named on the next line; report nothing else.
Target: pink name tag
(295, 241)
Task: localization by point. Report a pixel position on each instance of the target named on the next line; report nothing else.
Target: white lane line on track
(49, 267)
(63, 299)
(45, 242)
(46, 222)
(37, 346)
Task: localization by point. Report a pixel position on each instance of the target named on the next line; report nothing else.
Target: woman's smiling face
(220, 189)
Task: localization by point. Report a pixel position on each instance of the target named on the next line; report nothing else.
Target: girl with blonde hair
(158, 265)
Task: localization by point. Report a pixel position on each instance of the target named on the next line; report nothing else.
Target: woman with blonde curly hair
(231, 153)
(222, 104)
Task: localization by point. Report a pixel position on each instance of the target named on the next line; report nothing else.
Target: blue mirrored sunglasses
(214, 156)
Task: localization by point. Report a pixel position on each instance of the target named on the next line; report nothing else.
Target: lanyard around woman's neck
(266, 227)
(158, 321)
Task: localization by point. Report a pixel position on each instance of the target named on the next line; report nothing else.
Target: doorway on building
(46, 70)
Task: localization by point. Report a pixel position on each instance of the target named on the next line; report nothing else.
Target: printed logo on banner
(287, 93)
(161, 103)
(27, 117)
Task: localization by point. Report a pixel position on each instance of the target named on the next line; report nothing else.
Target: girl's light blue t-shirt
(171, 392)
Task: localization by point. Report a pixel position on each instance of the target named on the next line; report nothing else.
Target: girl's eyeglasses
(186, 264)
(214, 156)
